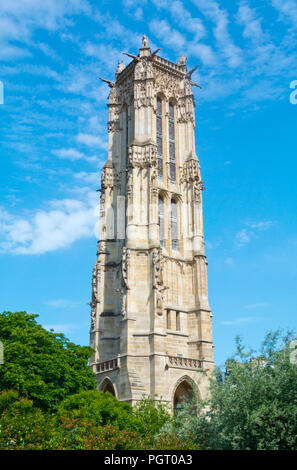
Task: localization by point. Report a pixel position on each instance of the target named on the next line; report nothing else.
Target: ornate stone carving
(145, 41)
(190, 171)
(182, 60)
(197, 186)
(125, 91)
(185, 109)
(125, 266)
(158, 284)
(167, 84)
(109, 177)
(143, 89)
(96, 281)
(124, 281)
(120, 67)
(190, 174)
(143, 156)
(114, 126)
(183, 362)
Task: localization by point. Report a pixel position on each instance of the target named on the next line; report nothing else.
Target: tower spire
(150, 317)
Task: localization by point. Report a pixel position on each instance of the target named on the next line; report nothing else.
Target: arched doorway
(107, 386)
(184, 391)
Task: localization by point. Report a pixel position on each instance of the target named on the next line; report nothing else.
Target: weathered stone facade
(150, 317)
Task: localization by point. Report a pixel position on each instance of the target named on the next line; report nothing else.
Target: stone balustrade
(183, 362)
(108, 365)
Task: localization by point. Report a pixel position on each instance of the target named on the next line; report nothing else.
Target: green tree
(22, 425)
(253, 407)
(152, 415)
(41, 365)
(101, 408)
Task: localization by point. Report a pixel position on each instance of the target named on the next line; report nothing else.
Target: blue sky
(54, 143)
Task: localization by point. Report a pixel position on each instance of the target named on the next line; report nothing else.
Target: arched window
(161, 219)
(174, 234)
(159, 138)
(184, 392)
(107, 386)
(171, 144)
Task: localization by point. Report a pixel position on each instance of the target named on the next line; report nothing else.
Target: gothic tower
(150, 320)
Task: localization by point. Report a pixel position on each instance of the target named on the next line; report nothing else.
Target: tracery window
(171, 144)
(174, 235)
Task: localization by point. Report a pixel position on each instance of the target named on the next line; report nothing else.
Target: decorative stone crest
(143, 156)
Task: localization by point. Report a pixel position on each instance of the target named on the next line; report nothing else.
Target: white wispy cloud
(64, 328)
(287, 10)
(229, 261)
(69, 154)
(252, 229)
(74, 154)
(91, 140)
(63, 303)
(240, 320)
(169, 36)
(219, 16)
(91, 178)
(20, 18)
(64, 222)
(257, 305)
(248, 18)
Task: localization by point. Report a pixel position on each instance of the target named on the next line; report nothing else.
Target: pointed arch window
(161, 219)
(171, 143)
(159, 138)
(174, 237)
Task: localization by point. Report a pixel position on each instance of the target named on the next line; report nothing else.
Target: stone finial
(120, 67)
(145, 42)
(182, 60)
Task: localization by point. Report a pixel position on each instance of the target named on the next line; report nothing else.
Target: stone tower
(150, 320)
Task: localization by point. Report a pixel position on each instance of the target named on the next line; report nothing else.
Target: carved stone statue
(182, 60)
(120, 67)
(145, 41)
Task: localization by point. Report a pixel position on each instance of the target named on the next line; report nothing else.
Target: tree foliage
(152, 415)
(101, 408)
(253, 407)
(24, 426)
(41, 365)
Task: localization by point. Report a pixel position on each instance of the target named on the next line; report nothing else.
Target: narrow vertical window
(171, 143)
(159, 138)
(177, 321)
(161, 219)
(168, 320)
(174, 242)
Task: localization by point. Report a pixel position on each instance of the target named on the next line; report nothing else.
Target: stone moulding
(183, 363)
